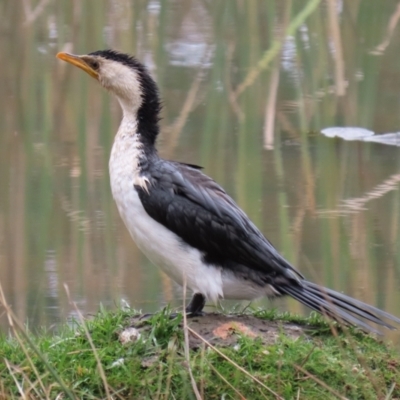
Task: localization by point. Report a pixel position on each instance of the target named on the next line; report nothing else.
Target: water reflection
(58, 222)
(359, 204)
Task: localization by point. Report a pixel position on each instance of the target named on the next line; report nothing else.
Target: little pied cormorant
(185, 222)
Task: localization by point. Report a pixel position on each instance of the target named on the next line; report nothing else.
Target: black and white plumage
(185, 222)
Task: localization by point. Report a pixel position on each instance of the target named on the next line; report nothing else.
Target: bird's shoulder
(189, 182)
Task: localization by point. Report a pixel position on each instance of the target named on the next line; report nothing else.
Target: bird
(186, 223)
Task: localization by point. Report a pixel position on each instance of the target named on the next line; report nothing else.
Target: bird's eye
(94, 64)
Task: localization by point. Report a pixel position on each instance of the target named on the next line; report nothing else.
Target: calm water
(247, 88)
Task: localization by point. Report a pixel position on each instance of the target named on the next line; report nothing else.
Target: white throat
(124, 83)
(125, 158)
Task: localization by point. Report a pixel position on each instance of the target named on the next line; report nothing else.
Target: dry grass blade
(17, 384)
(227, 382)
(323, 384)
(169, 378)
(32, 365)
(233, 363)
(31, 384)
(96, 355)
(367, 370)
(115, 394)
(16, 324)
(389, 395)
(186, 335)
(202, 362)
(308, 355)
(160, 379)
(22, 345)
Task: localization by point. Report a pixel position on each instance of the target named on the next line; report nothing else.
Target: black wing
(199, 211)
(194, 166)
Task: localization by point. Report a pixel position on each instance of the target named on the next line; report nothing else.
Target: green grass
(318, 365)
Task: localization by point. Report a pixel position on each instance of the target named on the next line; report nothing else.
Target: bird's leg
(196, 305)
(193, 309)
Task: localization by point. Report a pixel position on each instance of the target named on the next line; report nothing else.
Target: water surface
(247, 87)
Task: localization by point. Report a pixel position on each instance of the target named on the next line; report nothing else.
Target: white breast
(164, 248)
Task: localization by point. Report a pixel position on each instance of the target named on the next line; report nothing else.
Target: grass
(319, 364)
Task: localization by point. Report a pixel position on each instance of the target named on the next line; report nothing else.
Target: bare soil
(224, 330)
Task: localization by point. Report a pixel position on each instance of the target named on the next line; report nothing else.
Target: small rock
(117, 363)
(129, 335)
(149, 361)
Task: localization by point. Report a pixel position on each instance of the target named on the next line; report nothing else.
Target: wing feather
(202, 214)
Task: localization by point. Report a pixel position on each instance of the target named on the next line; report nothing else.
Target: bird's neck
(141, 121)
(137, 139)
(130, 160)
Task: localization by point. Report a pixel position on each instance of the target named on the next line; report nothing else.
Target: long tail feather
(339, 306)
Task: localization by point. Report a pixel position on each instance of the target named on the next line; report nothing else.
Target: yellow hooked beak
(79, 62)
